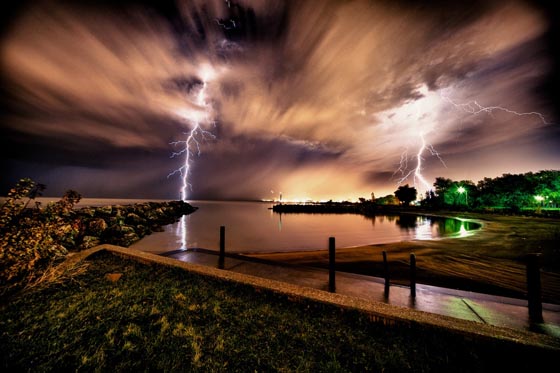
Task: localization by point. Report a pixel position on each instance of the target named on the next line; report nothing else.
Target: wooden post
(332, 286)
(386, 272)
(221, 260)
(412, 275)
(534, 288)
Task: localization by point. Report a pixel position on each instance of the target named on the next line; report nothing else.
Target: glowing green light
(463, 232)
(539, 198)
(461, 190)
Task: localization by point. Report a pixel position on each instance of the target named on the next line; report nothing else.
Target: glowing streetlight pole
(462, 190)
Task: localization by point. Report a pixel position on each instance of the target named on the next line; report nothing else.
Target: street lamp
(462, 190)
(539, 200)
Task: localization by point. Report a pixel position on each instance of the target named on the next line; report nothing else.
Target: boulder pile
(125, 224)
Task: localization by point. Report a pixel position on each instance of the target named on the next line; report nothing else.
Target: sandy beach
(489, 261)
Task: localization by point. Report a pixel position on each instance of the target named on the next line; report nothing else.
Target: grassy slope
(159, 318)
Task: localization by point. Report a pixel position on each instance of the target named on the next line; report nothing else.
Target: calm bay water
(253, 227)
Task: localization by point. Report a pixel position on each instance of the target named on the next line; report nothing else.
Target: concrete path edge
(377, 311)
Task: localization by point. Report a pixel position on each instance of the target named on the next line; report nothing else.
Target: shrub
(33, 238)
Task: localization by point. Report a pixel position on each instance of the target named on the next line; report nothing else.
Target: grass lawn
(158, 318)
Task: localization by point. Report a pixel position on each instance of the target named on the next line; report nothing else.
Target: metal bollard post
(534, 288)
(332, 286)
(221, 260)
(412, 275)
(386, 272)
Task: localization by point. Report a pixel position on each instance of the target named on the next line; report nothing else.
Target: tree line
(539, 190)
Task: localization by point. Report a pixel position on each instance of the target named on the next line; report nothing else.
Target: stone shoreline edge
(377, 311)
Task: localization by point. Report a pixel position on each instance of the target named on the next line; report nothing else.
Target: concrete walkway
(488, 309)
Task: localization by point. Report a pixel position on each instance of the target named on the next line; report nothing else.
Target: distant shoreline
(96, 202)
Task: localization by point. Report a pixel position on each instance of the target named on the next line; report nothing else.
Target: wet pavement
(483, 308)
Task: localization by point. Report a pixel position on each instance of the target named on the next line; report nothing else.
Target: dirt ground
(492, 260)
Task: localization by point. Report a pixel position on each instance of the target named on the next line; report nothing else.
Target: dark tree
(442, 191)
(406, 194)
(430, 199)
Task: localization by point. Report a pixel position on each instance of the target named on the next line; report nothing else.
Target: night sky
(314, 99)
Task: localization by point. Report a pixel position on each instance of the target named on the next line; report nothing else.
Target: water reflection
(463, 232)
(407, 221)
(426, 228)
(252, 227)
(456, 227)
(182, 232)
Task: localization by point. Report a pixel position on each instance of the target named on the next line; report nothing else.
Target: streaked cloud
(315, 98)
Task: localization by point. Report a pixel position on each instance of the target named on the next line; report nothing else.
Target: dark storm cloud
(319, 99)
(379, 177)
(509, 80)
(249, 167)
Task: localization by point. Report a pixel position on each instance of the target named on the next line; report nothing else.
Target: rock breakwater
(124, 224)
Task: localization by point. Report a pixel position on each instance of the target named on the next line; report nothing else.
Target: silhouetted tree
(406, 194)
(430, 200)
(442, 191)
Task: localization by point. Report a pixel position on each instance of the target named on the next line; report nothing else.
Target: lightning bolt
(196, 134)
(471, 107)
(196, 118)
(417, 171)
(474, 108)
(192, 141)
(225, 26)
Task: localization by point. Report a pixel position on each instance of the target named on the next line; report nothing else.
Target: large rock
(122, 235)
(142, 230)
(104, 211)
(89, 242)
(134, 219)
(87, 211)
(97, 226)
